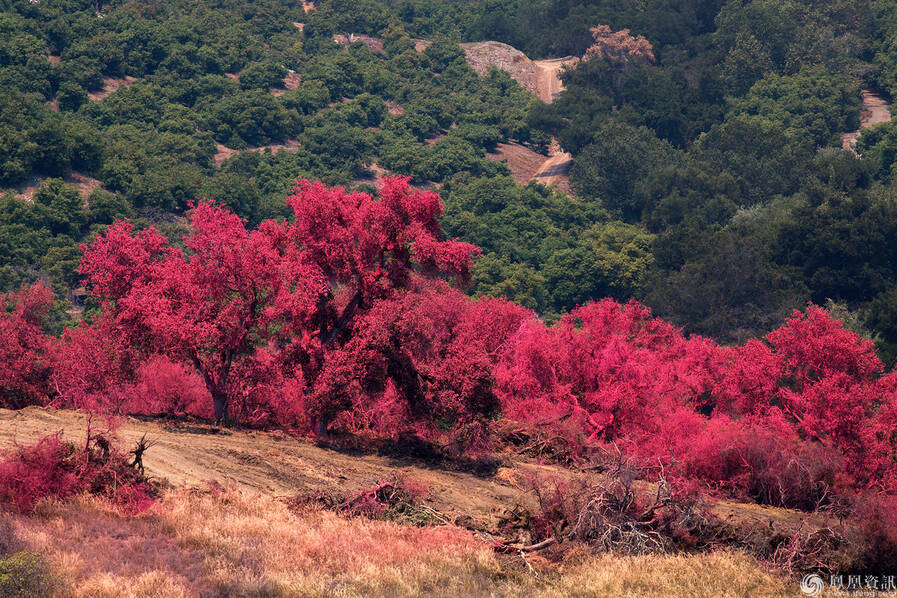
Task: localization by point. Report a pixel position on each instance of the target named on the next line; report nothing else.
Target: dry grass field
(242, 543)
(225, 525)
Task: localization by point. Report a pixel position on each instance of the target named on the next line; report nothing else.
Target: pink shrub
(163, 386)
(53, 468)
(47, 468)
(24, 367)
(784, 421)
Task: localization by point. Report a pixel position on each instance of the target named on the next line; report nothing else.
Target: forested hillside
(708, 178)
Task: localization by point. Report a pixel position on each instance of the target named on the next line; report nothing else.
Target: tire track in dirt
(555, 171)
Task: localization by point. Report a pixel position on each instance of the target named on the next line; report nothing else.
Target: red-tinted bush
(785, 422)
(875, 542)
(24, 367)
(97, 370)
(420, 363)
(613, 513)
(392, 499)
(58, 469)
(93, 368)
(610, 367)
(162, 386)
(47, 468)
(760, 460)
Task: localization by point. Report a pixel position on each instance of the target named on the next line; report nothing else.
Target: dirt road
(875, 110)
(550, 85)
(555, 171)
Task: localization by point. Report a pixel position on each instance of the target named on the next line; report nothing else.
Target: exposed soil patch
(523, 162)
(308, 5)
(110, 86)
(223, 152)
(435, 139)
(54, 59)
(875, 110)
(373, 172)
(539, 77)
(85, 184)
(526, 165)
(550, 85)
(290, 82)
(373, 44)
(555, 171)
(482, 56)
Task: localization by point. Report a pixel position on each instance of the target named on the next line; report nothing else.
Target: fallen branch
(504, 547)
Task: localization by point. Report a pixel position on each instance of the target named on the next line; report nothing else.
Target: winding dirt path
(549, 84)
(875, 111)
(555, 171)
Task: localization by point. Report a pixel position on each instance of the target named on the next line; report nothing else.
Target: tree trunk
(219, 401)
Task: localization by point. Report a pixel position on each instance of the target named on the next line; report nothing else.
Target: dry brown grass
(233, 543)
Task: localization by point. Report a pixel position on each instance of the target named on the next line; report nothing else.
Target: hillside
(426, 297)
(193, 455)
(190, 458)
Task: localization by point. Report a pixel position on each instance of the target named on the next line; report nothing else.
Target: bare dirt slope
(187, 455)
(555, 171)
(85, 184)
(550, 85)
(193, 455)
(523, 162)
(526, 165)
(875, 110)
(541, 77)
(374, 44)
(110, 86)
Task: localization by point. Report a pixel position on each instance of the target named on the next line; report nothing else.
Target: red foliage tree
(781, 420)
(24, 367)
(612, 367)
(424, 356)
(209, 305)
(292, 290)
(619, 46)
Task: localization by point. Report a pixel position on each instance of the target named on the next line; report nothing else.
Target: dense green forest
(708, 183)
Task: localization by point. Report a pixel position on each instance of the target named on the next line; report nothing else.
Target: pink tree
(292, 289)
(23, 346)
(209, 305)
